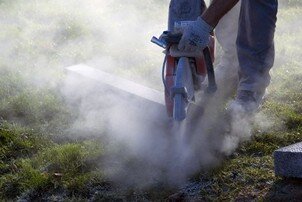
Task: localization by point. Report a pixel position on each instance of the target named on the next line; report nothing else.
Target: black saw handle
(212, 86)
(171, 38)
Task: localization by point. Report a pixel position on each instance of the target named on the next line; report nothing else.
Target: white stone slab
(118, 83)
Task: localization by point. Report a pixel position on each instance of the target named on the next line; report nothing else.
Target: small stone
(288, 161)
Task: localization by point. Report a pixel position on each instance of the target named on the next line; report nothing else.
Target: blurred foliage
(39, 108)
(290, 3)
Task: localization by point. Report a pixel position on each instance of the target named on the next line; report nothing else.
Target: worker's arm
(216, 10)
(196, 34)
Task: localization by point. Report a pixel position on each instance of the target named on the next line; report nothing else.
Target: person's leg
(227, 70)
(255, 47)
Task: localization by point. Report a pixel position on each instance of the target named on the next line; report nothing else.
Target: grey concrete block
(288, 161)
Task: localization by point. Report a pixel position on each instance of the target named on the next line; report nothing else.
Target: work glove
(196, 35)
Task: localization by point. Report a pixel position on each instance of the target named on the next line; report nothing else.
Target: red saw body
(171, 65)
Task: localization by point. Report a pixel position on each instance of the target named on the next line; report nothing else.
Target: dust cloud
(143, 146)
(146, 147)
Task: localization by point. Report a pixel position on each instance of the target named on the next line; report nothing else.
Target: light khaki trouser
(227, 69)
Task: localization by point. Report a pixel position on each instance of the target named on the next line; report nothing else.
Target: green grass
(38, 108)
(30, 163)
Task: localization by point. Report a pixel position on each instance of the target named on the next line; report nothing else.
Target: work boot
(245, 102)
(242, 107)
(239, 113)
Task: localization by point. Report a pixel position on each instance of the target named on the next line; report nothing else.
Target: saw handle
(171, 38)
(212, 86)
(167, 39)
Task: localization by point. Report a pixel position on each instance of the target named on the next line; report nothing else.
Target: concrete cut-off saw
(184, 73)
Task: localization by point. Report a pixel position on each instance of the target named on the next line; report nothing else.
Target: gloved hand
(196, 35)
